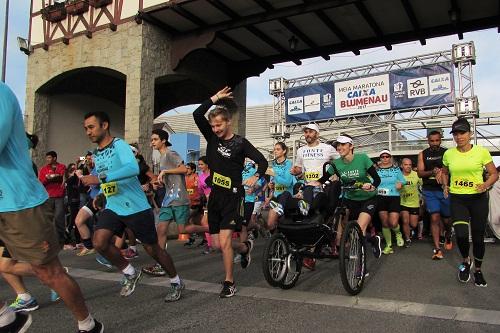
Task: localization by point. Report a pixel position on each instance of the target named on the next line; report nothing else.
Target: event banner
(402, 89)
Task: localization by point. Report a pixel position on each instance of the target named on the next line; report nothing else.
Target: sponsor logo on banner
(362, 95)
(295, 105)
(417, 87)
(399, 91)
(327, 100)
(439, 84)
(311, 103)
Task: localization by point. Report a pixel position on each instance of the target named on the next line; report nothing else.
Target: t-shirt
(466, 169)
(202, 184)
(175, 185)
(410, 191)
(248, 171)
(355, 171)
(226, 157)
(124, 194)
(19, 187)
(388, 179)
(282, 179)
(192, 189)
(311, 160)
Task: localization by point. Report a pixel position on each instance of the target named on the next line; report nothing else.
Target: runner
(389, 205)
(226, 153)
(468, 195)
(410, 200)
(25, 227)
(429, 168)
(362, 203)
(126, 206)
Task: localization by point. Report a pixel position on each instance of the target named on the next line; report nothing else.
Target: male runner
(226, 153)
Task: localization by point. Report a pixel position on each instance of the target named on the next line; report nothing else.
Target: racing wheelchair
(298, 237)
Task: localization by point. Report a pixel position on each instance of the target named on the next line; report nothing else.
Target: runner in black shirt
(226, 153)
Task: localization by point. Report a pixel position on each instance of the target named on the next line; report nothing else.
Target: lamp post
(6, 31)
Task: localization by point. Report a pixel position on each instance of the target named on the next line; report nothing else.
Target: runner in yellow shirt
(410, 199)
(463, 171)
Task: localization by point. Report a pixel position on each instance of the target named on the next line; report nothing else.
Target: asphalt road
(406, 292)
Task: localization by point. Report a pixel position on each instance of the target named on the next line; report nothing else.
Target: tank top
(432, 159)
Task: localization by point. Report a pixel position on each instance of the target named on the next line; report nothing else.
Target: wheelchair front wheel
(352, 258)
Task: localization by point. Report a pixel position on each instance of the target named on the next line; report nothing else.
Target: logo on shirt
(224, 151)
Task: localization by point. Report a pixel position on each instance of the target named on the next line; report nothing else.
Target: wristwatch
(102, 177)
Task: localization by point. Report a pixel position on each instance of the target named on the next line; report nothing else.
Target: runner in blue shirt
(26, 229)
(126, 206)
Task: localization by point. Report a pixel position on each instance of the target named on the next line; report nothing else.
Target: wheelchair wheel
(293, 270)
(274, 260)
(352, 258)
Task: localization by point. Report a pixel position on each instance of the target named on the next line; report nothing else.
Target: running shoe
(174, 292)
(54, 296)
(103, 261)
(377, 246)
(85, 252)
(80, 246)
(479, 279)
(69, 247)
(20, 324)
(388, 250)
(399, 239)
(448, 244)
(190, 241)
(130, 254)
(98, 328)
(154, 270)
(309, 263)
(464, 272)
(277, 207)
(407, 243)
(207, 250)
(27, 306)
(437, 254)
(129, 282)
(304, 207)
(228, 289)
(247, 257)
(202, 243)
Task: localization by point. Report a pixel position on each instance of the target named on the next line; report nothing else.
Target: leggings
(470, 209)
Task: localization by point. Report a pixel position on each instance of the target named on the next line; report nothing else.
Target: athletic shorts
(469, 207)
(248, 210)
(225, 211)
(391, 204)
(436, 203)
(257, 208)
(89, 207)
(30, 235)
(142, 224)
(411, 210)
(355, 207)
(178, 214)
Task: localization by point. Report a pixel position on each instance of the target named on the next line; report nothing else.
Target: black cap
(460, 125)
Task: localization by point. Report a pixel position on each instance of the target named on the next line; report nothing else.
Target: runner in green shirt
(463, 168)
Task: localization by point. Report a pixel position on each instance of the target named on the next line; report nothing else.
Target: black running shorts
(225, 211)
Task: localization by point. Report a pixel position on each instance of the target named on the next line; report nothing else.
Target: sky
(486, 72)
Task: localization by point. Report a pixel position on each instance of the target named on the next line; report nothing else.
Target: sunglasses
(385, 156)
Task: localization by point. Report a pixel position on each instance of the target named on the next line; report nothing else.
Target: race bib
(311, 175)
(109, 189)
(407, 195)
(382, 191)
(279, 188)
(190, 191)
(463, 183)
(221, 180)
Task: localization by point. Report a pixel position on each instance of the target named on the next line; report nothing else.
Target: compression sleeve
(201, 121)
(129, 166)
(373, 173)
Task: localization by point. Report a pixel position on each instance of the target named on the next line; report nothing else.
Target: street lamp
(24, 45)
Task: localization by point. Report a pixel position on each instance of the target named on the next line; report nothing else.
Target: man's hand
(89, 180)
(399, 186)
(368, 187)
(225, 93)
(296, 170)
(250, 182)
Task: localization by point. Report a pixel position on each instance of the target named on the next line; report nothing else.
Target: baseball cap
(460, 125)
(342, 139)
(311, 126)
(385, 151)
